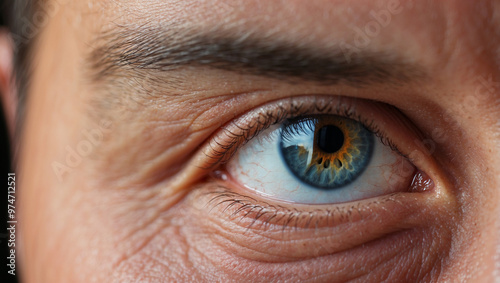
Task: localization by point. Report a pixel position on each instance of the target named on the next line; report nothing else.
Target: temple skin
(111, 187)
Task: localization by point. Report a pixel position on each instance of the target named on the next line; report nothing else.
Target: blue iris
(326, 151)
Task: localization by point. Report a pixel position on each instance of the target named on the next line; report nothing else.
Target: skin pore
(130, 101)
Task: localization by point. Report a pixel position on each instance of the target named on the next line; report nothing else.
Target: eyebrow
(167, 49)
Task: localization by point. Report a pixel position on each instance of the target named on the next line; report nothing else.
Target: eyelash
(263, 215)
(224, 144)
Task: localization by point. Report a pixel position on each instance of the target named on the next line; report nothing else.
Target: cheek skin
(208, 244)
(77, 231)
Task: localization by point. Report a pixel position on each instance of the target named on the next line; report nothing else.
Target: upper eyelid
(236, 133)
(244, 128)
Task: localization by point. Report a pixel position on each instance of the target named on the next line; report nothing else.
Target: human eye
(322, 158)
(328, 151)
(324, 176)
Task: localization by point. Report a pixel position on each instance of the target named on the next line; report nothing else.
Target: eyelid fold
(380, 118)
(249, 222)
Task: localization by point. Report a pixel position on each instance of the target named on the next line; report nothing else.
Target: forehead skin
(91, 224)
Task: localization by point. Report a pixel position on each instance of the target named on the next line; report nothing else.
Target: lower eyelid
(242, 220)
(219, 199)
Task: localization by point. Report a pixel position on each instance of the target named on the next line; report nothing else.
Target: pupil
(330, 139)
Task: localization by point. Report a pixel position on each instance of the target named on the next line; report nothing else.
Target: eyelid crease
(224, 144)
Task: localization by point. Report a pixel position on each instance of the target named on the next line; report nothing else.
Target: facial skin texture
(137, 206)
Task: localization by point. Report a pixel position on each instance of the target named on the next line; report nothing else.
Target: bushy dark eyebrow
(168, 48)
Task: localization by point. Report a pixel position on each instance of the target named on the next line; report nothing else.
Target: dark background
(4, 169)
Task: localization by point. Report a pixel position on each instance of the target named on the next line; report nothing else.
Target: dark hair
(19, 18)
